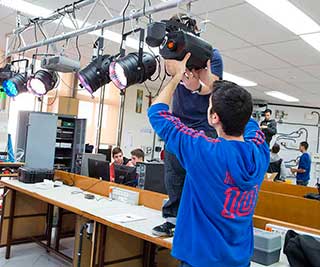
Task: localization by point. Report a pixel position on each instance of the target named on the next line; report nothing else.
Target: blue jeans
(183, 264)
(174, 176)
(303, 183)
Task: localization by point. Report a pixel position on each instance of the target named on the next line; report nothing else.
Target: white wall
(137, 132)
(299, 116)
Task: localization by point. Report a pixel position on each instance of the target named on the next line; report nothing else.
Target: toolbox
(33, 175)
(267, 247)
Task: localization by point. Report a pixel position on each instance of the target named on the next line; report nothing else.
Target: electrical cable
(83, 227)
(123, 21)
(77, 38)
(86, 189)
(164, 77)
(78, 49)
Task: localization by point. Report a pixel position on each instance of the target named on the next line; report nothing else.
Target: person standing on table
(190, 104)
(303, 170)
(268, 126)
(223, 175)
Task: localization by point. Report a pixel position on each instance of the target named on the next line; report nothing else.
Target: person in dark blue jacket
(190, 103)
(223, 175)
(304, 167)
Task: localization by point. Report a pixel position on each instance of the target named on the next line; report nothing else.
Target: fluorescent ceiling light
(312, 39)
(26, 7)
(282, 96)
(238, 80)
(287, 15)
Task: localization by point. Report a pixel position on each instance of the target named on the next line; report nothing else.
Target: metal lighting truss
(69, 11)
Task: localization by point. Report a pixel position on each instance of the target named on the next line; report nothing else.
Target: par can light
(15, 85)
(42, 82)
(126, 71)
(96, 74)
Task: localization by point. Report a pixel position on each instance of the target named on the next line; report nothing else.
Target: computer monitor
(125, 175)
(99, 169)
(153, 176)
(106, 152)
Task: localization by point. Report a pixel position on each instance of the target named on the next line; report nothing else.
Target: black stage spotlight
(96, 74)
(130, 70)
(42, 82)
(5, 73)
(15, 85)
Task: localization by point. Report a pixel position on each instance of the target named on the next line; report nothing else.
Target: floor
(32, 255)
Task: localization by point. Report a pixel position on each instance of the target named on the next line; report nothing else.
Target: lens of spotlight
(125, 71)
(42, 82)
(94, 76)
(15, 85)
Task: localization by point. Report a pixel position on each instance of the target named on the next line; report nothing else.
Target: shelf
(65, 139)
(9, 175)
(65, 128)
(63, 158)
(11, 164)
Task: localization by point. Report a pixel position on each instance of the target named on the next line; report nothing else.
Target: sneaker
(166, 229)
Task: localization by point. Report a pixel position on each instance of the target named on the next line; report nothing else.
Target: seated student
(118, 159)
(303, 170)
(223, 175)
(137, 155)
(276, 164)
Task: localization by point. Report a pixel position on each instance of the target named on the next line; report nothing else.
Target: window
(89, 109)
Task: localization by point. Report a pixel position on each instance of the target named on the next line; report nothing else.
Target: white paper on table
(125, 217)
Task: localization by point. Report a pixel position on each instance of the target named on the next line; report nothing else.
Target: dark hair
(116, 151)
(138, 153)
(275, 148)
(305, 145)
(233, 104)
(186, 20)
(268, 111)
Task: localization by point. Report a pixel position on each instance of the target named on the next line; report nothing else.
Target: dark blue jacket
(191, 108)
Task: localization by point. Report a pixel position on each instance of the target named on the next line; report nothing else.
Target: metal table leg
(10, 223)
(49, 225)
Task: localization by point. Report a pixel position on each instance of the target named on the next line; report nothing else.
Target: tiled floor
(32, 255)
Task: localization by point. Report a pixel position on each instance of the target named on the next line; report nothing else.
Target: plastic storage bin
(267, 247)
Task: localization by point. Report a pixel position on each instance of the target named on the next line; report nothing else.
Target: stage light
(96, 74)
(15, 85)
(126, 71)
(5, 73)
(42, 82)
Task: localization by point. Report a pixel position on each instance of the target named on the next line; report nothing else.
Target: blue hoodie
(214, 223)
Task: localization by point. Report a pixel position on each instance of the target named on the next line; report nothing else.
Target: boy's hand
(191, 80)
(205, 75)
(293, 170)
(177, 68)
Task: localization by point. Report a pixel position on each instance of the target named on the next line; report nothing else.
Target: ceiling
(253, 45)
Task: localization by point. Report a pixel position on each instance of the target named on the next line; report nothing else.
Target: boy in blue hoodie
(214, 224)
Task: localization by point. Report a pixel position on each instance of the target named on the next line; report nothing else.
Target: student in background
(268, 126)
(137, 155)
(118, 159)
(303, 170)
(276, 164)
